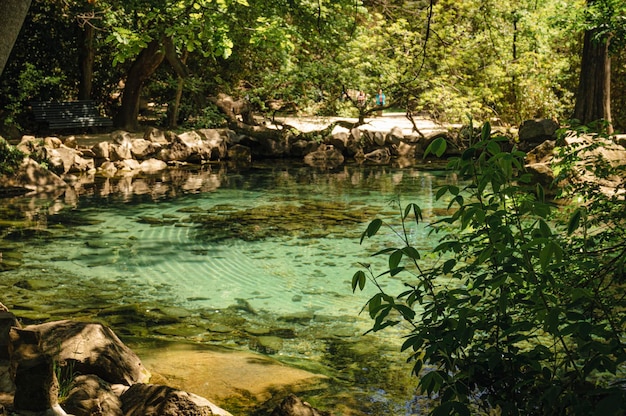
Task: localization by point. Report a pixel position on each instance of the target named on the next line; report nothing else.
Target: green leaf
(417, 212)
(541, 197)
(437, 147)
(552, 320)
(372, 229)
(494, 148)
(411, 252)
(394, 259)
(448, 266)
(574, 221)
(358, 280)
(431, 382)
(441, 192)
(485, 132)
(406, 312)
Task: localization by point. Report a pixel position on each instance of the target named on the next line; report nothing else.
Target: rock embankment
(126, 154)
(83, 369)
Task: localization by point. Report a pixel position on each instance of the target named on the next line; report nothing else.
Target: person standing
(360, 99)
(381, 100)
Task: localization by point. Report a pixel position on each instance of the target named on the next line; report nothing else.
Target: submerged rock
(294, 406)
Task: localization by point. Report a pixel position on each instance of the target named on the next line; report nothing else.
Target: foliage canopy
(508, 60)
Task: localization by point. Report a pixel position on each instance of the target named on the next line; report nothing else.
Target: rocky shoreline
(83, 368)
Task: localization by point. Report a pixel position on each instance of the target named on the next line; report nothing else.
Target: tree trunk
(141, 69)
(87, 56)
(13, 15)
(175, 111)
(593, 98)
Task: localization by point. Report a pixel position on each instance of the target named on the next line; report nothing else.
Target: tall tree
(14, 13)
(593, 98)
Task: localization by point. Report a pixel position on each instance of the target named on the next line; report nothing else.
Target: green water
(221, 257)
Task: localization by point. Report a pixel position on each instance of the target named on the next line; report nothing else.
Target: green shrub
(10, 158)
(520, 308)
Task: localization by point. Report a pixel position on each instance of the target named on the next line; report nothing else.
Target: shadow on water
(279, 243)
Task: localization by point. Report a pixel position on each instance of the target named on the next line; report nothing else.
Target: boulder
(152, 165)
(142, 149)
(355, 134)
(92, 347)
(405, 150)
(532, 132)
(382, 155)
(542, 153)
(240, 153)
(339, 140)
(7, 321)
(127, 165)
(120, 151)
(158, 400)
(108, 168)
(395, 135)
(156, 136)
(36, 385)
(325, 155)
(294, 406)
(188, 147)
(215, 141)
(90, 395)
(101, 150)
(31, 176)
(301, 148)
(65, 160)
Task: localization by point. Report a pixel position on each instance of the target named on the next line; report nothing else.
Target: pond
(254, 260)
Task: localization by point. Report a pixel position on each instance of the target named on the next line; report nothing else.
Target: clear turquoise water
(274, 240)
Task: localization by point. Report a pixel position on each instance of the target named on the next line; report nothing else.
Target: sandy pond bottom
(226, 376)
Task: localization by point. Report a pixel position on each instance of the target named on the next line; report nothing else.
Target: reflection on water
(255, 259)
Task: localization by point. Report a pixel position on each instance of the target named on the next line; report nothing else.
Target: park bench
(57, 115)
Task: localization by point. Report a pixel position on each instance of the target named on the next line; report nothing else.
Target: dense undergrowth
(520, 308)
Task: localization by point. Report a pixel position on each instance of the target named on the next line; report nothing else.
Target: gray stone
(536, 131)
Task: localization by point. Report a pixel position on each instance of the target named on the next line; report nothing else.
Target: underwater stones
(266, 344)
(10, 260)
(137, 313)
(243, 305)
(298, 317)
(35, 284)
(220, 328)
(256, 330)
(183, 331)
(294, 406)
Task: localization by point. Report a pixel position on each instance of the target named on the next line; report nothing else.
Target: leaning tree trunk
(593, 98)
(141, 69)
(13, 13)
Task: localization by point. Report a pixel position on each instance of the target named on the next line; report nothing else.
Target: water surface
(257, 259)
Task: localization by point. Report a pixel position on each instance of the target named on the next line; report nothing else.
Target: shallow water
(257, 259)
